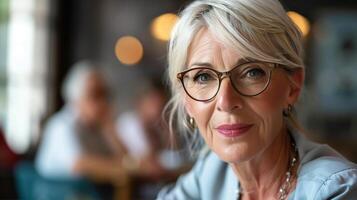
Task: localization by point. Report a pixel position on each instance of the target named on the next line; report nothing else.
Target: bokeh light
(129, 50)
(300, 21)
(162, 25)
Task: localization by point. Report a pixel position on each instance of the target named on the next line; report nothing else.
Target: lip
(233, 130)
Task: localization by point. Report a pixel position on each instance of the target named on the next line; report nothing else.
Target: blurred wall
(89, 29)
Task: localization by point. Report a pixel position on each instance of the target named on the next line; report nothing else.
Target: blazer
(322, 174)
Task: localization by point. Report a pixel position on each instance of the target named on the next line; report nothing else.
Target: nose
(228, 100)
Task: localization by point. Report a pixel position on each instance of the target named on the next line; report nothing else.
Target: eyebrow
(206, 64)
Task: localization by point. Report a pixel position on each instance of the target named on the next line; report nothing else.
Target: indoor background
(41, 39)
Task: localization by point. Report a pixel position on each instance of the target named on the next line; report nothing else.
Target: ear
(297, 81)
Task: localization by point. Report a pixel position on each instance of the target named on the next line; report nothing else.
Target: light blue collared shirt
(322, 174)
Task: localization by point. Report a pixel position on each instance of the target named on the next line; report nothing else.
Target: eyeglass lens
(248, 79)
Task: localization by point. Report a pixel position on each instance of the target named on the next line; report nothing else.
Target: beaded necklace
(284, 188)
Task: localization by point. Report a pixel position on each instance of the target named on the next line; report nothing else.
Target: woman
(236, 71)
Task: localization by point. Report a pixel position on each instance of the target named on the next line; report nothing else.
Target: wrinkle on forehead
(206, 48)
(201, 43)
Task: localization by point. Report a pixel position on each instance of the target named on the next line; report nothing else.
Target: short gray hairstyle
(75, 81)
(258, 29)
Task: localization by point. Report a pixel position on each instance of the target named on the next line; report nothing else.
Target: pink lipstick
(233, 130)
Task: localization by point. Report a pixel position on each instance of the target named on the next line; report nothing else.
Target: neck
(263, 175)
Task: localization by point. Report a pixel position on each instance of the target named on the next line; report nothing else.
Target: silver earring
(287, 111)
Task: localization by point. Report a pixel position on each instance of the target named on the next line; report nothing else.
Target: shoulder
(207, 180)
(324, 174)
(327, 177)
(63, 117)
(128, 121)
(59, 127)
(209, 168)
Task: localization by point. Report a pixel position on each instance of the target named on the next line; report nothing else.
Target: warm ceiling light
(162, 25)
(300, 21)
(129, 50)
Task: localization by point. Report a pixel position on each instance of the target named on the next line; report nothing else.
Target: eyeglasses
(248, 79)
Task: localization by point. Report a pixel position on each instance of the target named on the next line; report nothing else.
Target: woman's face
(237, 127)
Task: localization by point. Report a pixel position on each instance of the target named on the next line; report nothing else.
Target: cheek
(269, 107)
(202, 113)
(275, 97)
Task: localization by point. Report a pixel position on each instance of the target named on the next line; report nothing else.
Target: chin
(233, 153)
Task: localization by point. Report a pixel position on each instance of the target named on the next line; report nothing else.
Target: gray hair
(258, 29)
(75, 81)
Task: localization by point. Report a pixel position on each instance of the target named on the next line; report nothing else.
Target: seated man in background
(80, 140)
(152, 161)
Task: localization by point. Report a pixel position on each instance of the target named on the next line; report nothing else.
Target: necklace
(284, 188)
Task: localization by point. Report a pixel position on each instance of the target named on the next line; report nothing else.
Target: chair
(32, 186)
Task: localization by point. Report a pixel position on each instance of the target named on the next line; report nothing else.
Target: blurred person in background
(142, 132)
(146, 138)
(80, 140)
(236, 69)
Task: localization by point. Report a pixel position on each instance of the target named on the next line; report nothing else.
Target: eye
(255, 73)
(204, 76)
(252, 71)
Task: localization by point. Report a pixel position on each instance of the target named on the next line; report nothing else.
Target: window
(26, 68)
(4, 7)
